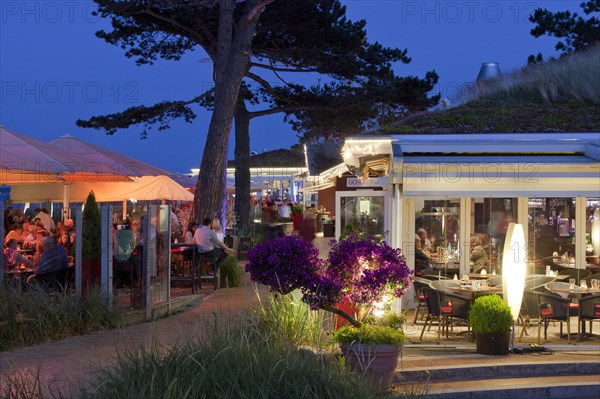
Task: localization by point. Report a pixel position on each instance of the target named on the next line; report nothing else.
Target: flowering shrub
(366, 271)
(284, 264)
(361, 270)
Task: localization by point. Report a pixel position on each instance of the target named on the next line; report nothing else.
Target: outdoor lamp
(596, 232)
(513, 268)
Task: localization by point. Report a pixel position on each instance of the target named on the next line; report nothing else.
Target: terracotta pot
(376, 362)
(492, 343)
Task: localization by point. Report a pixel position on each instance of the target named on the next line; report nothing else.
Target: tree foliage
(308, 36)
(578, 33)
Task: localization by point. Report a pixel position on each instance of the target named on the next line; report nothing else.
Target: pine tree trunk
(242, 166)
(233, 56)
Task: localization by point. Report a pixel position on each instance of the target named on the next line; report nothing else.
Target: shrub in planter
(90, 242)
(491, 320)
(372, 350)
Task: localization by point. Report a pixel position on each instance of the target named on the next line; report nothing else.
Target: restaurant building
(461, 190)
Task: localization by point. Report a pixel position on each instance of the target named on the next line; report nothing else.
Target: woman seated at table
(13, 257)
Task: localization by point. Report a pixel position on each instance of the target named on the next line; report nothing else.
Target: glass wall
(437, 231)
(489, 223)
(552, 236)
(592, 234)
(141, 258)
(365, 212)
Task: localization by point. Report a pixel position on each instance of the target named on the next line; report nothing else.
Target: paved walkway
(75, 360)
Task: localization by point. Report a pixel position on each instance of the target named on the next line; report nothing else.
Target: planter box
(492, 343)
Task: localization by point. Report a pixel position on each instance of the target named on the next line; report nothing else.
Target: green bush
(91, 229)
(231, 275)
(490, 314)
(369, 334)
(30, 317)
(297, 209)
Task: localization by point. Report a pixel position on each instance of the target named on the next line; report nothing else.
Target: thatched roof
(281, 158)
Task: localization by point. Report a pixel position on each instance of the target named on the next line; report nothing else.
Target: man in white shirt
(208, 243)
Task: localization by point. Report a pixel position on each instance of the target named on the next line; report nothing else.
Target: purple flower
(284, 264)
(362, 270)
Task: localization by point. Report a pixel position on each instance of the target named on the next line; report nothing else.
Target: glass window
(592, 234)
(552, 233)
(365, 213)
(437, 231)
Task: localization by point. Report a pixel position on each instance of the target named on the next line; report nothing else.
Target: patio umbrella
(145, 188)
(95, 156)
(26, 160)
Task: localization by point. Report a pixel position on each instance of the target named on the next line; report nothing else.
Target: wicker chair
(589, 310)
(554, 307)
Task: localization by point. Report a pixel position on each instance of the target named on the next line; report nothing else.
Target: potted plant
(373, 348)
(491, 320)
(90, 243)
(363, 271)
(297, 211)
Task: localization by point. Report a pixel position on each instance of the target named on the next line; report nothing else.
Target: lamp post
(513, 271)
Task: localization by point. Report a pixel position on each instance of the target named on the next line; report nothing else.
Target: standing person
(208, 243)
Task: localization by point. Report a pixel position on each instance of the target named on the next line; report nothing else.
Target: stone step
(555, 387)
(500, 371)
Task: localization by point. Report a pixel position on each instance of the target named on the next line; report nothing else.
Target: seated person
(53, 259)
(482, 253)
(425, 243)
(208, 243)
(16, 233)
(14, 258)
(421, 260)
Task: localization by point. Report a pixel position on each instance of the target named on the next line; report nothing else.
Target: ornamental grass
(32, 316)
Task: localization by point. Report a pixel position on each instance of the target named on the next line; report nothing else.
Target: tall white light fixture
(596, 232)
(513, 270)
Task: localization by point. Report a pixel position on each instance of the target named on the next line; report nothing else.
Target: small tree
(363, 270)
(91, 229)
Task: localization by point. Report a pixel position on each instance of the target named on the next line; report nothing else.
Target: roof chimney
(488, 71)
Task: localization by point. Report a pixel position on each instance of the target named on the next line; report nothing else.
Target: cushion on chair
(446, 309)
(546, 312)
(421, 298)
(597, 310)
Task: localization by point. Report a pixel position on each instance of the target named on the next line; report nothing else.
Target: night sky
(53, 70)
